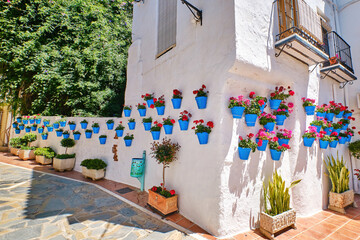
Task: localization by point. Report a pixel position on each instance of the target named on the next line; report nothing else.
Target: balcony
(339, 66)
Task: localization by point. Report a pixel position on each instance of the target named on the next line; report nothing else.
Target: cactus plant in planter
(44, 155)
(26, 151)
(340, 196)
(65, 161)
(93, 168)
(279, 216)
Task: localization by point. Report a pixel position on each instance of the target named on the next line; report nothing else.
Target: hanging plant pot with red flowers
(183, 120)
(148, 98)
(280, 94)
(202, 131)
(201, 97)
(176, 99)
(168, 124)
(246, 146)
(160, 105)
(237, 106)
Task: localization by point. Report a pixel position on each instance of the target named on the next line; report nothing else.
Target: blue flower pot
(349, 138)
(308, 142)
(65, 136)
(96, 130)
(56, 125)
(131, 125)
(244, 153)
(269, 126)
(274, 103)
(84, 125)
(102, 140)
(168, 129)
(46, 123)
(32, 121)
(340, 115)
(342, 140)
(318, 128)
(184, 125)
(72, 127)
(262, 108)
(110, 126)
(33, 129)
(250, 119)
(203, 137)
(201, 102)
(44, 137)
(147, 126)
(128, 142)
(77, 136)
(37, 121)
(40, 130)
(155, 135)
(333, 144)
(27, 130)
(18, 120)
(14, 125)
(344, 127)
(22, 127)
(58, 133)
(63, 124)
(50, 128)
(330, 116)
(25, 121)
(150, 102)
(17, 131)
(263, 146)
(310, 110)
(160, 110)
(237, 112)
(321, 114)
(88, 134)
(346, 115)
(337, 131)
(176, 102)
(275, 155)
(127, 112)
(142, 112)
(328, 130)
(119, 133)
(282, 141)
(280, 120)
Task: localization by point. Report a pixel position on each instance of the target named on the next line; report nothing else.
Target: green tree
(64, 57)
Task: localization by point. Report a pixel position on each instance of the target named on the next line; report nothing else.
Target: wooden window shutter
(309, 21)
(288, 15)
(166, 38)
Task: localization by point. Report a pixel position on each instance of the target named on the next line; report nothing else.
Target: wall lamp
(193, 9)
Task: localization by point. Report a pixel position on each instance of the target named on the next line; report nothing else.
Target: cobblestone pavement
(36, 205)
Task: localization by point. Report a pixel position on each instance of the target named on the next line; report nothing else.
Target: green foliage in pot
(46, 152)
(129, 137)
(65, 156)
(354, 148)
(96, 164)
(110, 121)
(120, 127)
(15, 142)
(28, 138)
(67, 143)
(95, 125)
(102, 136)
(338, 174)
(84, 121)
(147, 120)
(277, 195)
(27, 148)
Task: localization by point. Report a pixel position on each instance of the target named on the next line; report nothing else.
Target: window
(166, 38)
(287, 10)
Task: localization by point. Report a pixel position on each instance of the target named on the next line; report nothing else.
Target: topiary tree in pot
(26, 151)
(65, 161)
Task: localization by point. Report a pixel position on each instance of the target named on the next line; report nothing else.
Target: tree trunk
(163, 175)
(65, 150)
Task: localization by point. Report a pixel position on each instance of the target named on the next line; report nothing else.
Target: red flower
(193, 128)
(353, 127)
(185, 118)
(290, 105)
(201, 121)
(143, 104)
(203, 86)
(281, 88)
(148, 95)
(155, 99)
(142, 96)
(261, 102)
(172, 192)
(272, 95)
(279, 147)
(210, 124)
(186, 112)
(275, 139)
(260, 142)
(250, 135)
(251, 95)
(160, 125)
(154, 189)
(240, 137)
(291, 92)
(161, 184)
(195, 92)
(172, 121)
(152, 106)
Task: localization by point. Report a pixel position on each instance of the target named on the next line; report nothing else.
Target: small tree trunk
(163, 175)
(65, 150)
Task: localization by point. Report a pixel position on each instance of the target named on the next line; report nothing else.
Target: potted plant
(334, 140)
(84, 124)
(354, 149)
(176, 99)
(119, 130)
(340, 196)
(237, 106)
(27, 129)
(348, 113)
(284, 135)
(95, 128)
(21, 126)
(318, 124)
(38, 119)
(155, 130)
(252, 111)
(261, 101)
(33, 127)
(324, 139)
(46, 122)
(59, 132)
(93, 168)
(321, 110)
(160, 105)
(168, 124)
(76, 135)
(246, 146)
(336, 127)
(183, 120)
(131, 123)
(333, 60)
(262, 139)
(202, 131)
(88, 133)
(110, 124)
(309, 136)
(102, 139)
(44, 136)
(280, 94)
(44, 155)
(332, 110)
(281, 114)
(276, 149)
(268, 121)
(15, 125)
(128, 139)
(72, 125)
(147, 123)
(327, 126)
(15, 145)
(62, 122)
(17, 130)
(159, 197)
(56, 125)
(25, 120)
(201, 97)
(127, 110)
(65, 162)
(41, 129)
(149, 98)
(142, 109)
(19, 119)
(50, 128)
(344, 123)
(26, 151)
(350, 133)
(279, 216)
(309, 106)
(32, 120)
(343, 137)
(66, 134)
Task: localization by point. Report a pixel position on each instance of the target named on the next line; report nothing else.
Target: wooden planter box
(15, 151)
(27, 155)
(338, 201)
(162, 204)
(269, 225)
(63, 164)
(43, 160)
(93, 174)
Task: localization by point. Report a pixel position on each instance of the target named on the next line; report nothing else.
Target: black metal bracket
(324, 76)
(344, 84)
(288, 45)
(314, 68)
(192, 8)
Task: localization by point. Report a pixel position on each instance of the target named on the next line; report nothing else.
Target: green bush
(15, 142)
(354, 148)
(67, 142)
(65, 156)
(93, 164)
(46, 152)
(27, 148)
(28, 138)
(338, 174)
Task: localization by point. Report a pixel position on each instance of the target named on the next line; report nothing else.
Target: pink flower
(290, 105)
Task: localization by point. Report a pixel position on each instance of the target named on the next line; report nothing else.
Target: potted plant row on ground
(93, 168)
(65, 162)
(44, 155)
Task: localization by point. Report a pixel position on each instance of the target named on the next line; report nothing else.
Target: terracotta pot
(15, 151)
(162, 204)
(338, 201)
(27, 155)
(332, 60)
(63, 164)
(269, 225)
(43, 160)
(93, 174)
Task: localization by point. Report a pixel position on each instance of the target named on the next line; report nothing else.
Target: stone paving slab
(36, 205)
